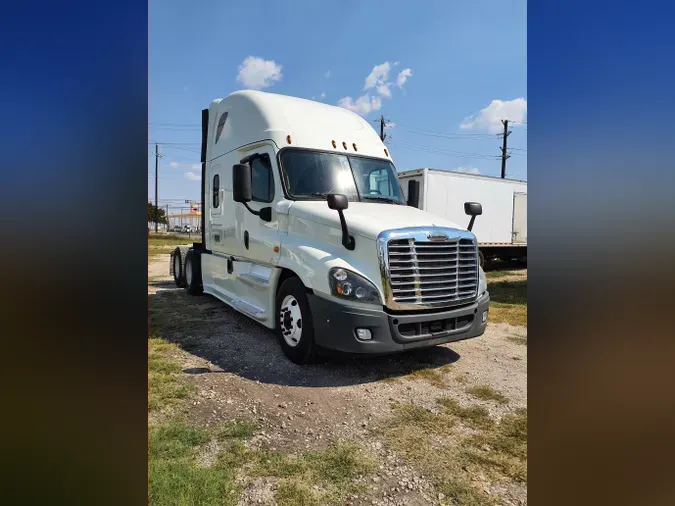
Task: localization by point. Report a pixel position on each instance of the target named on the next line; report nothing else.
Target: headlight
(349, 285)
(482, 282)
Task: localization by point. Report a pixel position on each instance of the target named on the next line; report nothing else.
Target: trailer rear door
(519, 218)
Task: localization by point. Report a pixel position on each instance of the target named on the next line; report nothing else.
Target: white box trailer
(502, 228)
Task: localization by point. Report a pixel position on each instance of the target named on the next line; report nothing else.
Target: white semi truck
(502, 228)
(305, 229)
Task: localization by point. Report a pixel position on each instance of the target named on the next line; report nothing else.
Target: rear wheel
(294, 325)
(193, 273)
(177, 260)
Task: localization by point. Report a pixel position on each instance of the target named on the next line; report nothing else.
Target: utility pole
(383, 124)
(505, 156)
(156, 178)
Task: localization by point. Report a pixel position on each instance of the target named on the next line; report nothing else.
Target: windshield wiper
(383, 199)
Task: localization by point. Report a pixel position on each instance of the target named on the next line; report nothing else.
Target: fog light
(363, 335)
(485, 316)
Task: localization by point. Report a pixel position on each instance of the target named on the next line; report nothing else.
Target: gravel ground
(240, 371)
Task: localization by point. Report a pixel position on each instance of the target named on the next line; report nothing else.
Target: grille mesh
(434, 273)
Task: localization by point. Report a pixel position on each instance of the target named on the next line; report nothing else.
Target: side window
(221, 125)
(216, 191)
(262, 184)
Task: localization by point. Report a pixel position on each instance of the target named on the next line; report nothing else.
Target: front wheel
(294, 325)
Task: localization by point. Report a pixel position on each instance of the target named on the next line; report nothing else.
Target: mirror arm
(473, 218)
(347, 240)
(258, 213)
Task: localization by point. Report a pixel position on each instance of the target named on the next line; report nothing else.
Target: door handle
(246, 239)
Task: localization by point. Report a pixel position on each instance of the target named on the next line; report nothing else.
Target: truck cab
(305, 229)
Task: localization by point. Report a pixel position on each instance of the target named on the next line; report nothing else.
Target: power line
(461, 154)
(449, 135)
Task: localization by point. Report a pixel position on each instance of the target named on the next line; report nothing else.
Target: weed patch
(487, 393)
(518, 340)
(432, 376)
(449, 458)
(476, 417)
(501, 450)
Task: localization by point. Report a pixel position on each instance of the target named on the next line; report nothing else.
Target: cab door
(258, 237)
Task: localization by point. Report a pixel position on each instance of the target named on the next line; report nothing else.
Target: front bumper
(335, 326)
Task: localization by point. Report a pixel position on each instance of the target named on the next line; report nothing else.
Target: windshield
(313, 175)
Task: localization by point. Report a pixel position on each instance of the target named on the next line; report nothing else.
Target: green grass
(496, 274)
(294, 494)
(164, 244)
(179, 478)
(487, 393)
(501, 451)
(450, 458)
(508, 302)
(165, 388)
(334, 470)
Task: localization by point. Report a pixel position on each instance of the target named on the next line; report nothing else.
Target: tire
(294, 324)
(177, 268)
(193, 273)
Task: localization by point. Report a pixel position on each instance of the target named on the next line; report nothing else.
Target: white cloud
(327, 74)
(174, 165)
(362, 105)
(383, 89)
(378, 80)
(196, 166)
(468, 170)
(323, 94)
(391, 124)
(191, 176)
(402, 77)
(490, 118)
(378, 76)
(257, 73)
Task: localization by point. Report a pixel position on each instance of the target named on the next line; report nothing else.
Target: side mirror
(473, 209)
(339, 202)
(414, 193)
(241, 183)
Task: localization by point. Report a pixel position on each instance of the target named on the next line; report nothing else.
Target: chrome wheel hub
(290, 321)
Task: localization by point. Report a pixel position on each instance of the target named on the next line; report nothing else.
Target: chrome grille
(432, 273)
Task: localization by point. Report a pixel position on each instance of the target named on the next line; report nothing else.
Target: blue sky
(465, 68)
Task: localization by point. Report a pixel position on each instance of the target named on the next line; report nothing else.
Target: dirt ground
(240, 371)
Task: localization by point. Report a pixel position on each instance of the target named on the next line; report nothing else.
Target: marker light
(344, 144)
(386, 152)
(334, 144)
(354, 147)
(288, 139)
